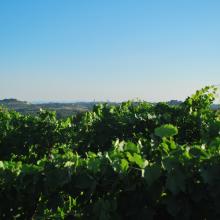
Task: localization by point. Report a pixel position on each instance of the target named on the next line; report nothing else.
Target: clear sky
(108, 49)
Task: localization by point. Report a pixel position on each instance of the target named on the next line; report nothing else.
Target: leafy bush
(131, 161)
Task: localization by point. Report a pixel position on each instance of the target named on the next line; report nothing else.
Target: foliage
(132, 161)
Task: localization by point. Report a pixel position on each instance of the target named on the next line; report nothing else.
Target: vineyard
(130, 161)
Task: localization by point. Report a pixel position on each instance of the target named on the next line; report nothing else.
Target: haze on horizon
(108, 50)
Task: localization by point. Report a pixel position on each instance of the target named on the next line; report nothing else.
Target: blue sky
(108, 49)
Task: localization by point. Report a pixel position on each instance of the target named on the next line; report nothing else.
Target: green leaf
(124, 165)
(138, 160)
(167, 130)
(131, 147)
(2, 165)
(130, 157)
(94, 164)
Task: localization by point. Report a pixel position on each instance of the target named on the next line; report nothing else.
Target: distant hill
(174, 102)
(13, 102)
(62, 109)
(215, 106)
(17, 105)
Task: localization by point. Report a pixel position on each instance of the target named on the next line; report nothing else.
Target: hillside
(62, 109)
